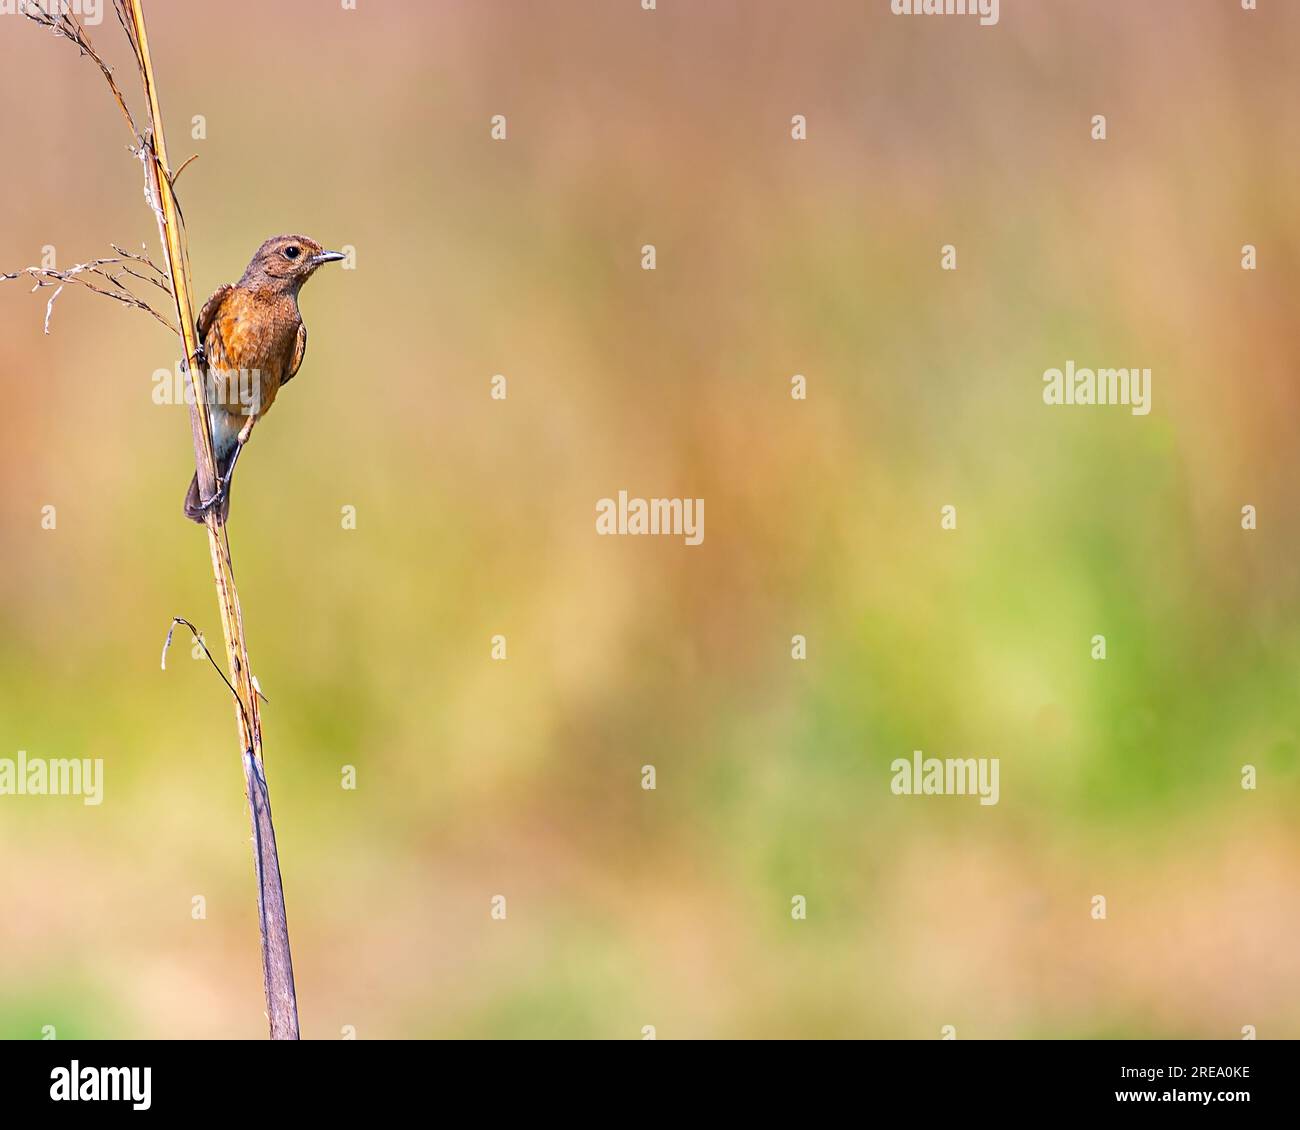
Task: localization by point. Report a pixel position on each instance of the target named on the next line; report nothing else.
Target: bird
(252, 341)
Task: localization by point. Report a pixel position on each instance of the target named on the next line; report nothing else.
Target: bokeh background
(475, 517)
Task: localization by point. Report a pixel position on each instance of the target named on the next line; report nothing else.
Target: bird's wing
(210, 308)
(222, 364)
(299, 352)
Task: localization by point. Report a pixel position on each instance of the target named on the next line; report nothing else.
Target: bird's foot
(223, 486)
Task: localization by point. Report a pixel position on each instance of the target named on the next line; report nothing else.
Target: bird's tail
(194, 510)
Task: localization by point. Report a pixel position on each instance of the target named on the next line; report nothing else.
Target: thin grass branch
(100, 276)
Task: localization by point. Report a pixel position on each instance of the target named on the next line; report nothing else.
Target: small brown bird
(253, 341)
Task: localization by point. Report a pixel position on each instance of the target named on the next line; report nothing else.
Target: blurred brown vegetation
(475, 517)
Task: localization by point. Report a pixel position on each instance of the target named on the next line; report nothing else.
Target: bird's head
(285, 262)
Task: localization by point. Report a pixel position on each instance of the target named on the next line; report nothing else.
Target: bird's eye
(292, 252)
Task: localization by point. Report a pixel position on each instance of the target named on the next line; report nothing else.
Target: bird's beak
(328, 257)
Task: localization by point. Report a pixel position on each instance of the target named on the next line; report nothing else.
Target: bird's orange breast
(250, 345)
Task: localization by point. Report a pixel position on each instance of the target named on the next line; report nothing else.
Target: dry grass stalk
(106, 277)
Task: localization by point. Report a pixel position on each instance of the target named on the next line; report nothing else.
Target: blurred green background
(475, 517)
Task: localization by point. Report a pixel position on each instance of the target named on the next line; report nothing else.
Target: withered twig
(81, 275)
(66, 24)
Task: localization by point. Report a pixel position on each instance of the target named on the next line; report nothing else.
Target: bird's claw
(223, 485)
